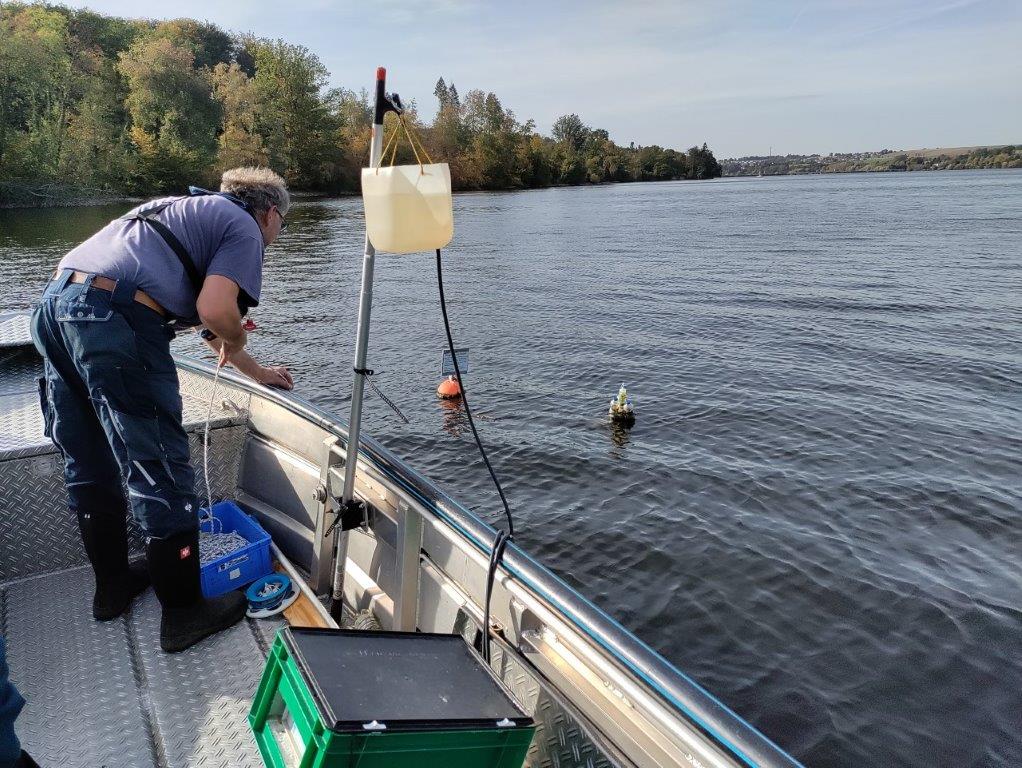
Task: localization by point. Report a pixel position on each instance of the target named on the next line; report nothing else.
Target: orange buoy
(448, 389)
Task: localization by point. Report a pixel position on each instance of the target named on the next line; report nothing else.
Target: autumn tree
(293, 119)
(239, 142)
(174, 117)
(34, 69)
(570, 130)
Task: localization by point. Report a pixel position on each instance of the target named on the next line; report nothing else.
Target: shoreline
(20, 194)
(865, 171)
(985, 157)
(73, 201)
(80, 202)
(85, 201)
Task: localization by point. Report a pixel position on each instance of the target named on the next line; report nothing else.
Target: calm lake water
(817, 513)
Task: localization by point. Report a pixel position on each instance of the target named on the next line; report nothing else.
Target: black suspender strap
(149, 217)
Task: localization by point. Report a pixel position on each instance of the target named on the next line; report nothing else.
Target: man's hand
(272, 375)
(229, 348)
(275, 376)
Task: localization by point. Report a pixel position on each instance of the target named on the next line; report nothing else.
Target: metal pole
(361, 346)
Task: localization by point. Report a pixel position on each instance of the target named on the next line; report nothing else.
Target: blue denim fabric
(10, 705)
(112, 403)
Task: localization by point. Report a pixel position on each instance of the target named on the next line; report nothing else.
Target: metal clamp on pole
(352, 514)
(392, 104)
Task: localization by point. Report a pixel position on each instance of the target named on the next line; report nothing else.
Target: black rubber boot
(188, 617)
(104, 529)
(25, 761)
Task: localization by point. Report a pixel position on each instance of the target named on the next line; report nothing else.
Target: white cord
(205, 453)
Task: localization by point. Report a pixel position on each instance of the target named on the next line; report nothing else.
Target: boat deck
(104, 694)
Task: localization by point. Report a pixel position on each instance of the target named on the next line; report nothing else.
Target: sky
(744, 76)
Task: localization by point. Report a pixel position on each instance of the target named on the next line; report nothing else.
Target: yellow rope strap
(391, 145)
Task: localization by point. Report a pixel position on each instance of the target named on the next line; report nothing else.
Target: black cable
(464, 398)
(495, 554)
(501, 540)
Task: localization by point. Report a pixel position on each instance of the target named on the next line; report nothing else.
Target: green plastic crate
(331, 698)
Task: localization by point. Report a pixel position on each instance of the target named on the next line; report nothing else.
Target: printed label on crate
(235, 573)
(230, 564)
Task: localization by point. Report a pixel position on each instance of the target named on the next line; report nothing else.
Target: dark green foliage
(569, 129)
(107, 34)
(702, 164)
(293, 118)
(489, 149)
(112, 105)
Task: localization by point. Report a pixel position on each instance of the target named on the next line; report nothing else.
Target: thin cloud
(916, 17)
(797, 16)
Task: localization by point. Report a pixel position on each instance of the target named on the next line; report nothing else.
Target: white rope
(205, 453)
(214, 544)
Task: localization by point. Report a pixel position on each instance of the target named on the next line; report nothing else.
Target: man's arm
(217, 306)
(242, 361)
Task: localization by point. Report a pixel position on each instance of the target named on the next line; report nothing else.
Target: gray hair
(259, 187)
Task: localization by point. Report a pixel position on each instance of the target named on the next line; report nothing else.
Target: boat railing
(565, 636)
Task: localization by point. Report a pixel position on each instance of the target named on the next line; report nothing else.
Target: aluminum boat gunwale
(699, 707)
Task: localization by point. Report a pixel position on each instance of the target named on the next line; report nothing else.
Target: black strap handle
(149, 217)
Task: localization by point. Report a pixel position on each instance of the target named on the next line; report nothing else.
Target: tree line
(140, 107)
(1007, 156)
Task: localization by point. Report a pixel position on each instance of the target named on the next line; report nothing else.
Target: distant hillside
(938, 159)
(949, 151)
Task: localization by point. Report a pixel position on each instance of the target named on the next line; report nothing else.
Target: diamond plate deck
(200, 697)
(264, 631)
(103, 695)
(21, 420)
(83, 705)
(20, 368)
(37, 534)
(229, 403)
(21, 426)
(561, 739)
(14, 329)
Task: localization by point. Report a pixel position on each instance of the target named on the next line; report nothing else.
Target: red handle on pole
(381, 96)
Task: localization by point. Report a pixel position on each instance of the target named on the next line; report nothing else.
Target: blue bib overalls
(10, 705)
(112, 402)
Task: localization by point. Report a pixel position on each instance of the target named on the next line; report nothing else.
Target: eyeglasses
(283, 221)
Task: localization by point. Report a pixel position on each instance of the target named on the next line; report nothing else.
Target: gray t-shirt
(221, 237)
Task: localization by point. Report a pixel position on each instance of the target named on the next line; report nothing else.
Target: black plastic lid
(406, 681)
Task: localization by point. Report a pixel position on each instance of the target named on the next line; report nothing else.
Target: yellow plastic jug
(408, 207)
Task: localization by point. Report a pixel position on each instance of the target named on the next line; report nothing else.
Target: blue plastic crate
(240, 568)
